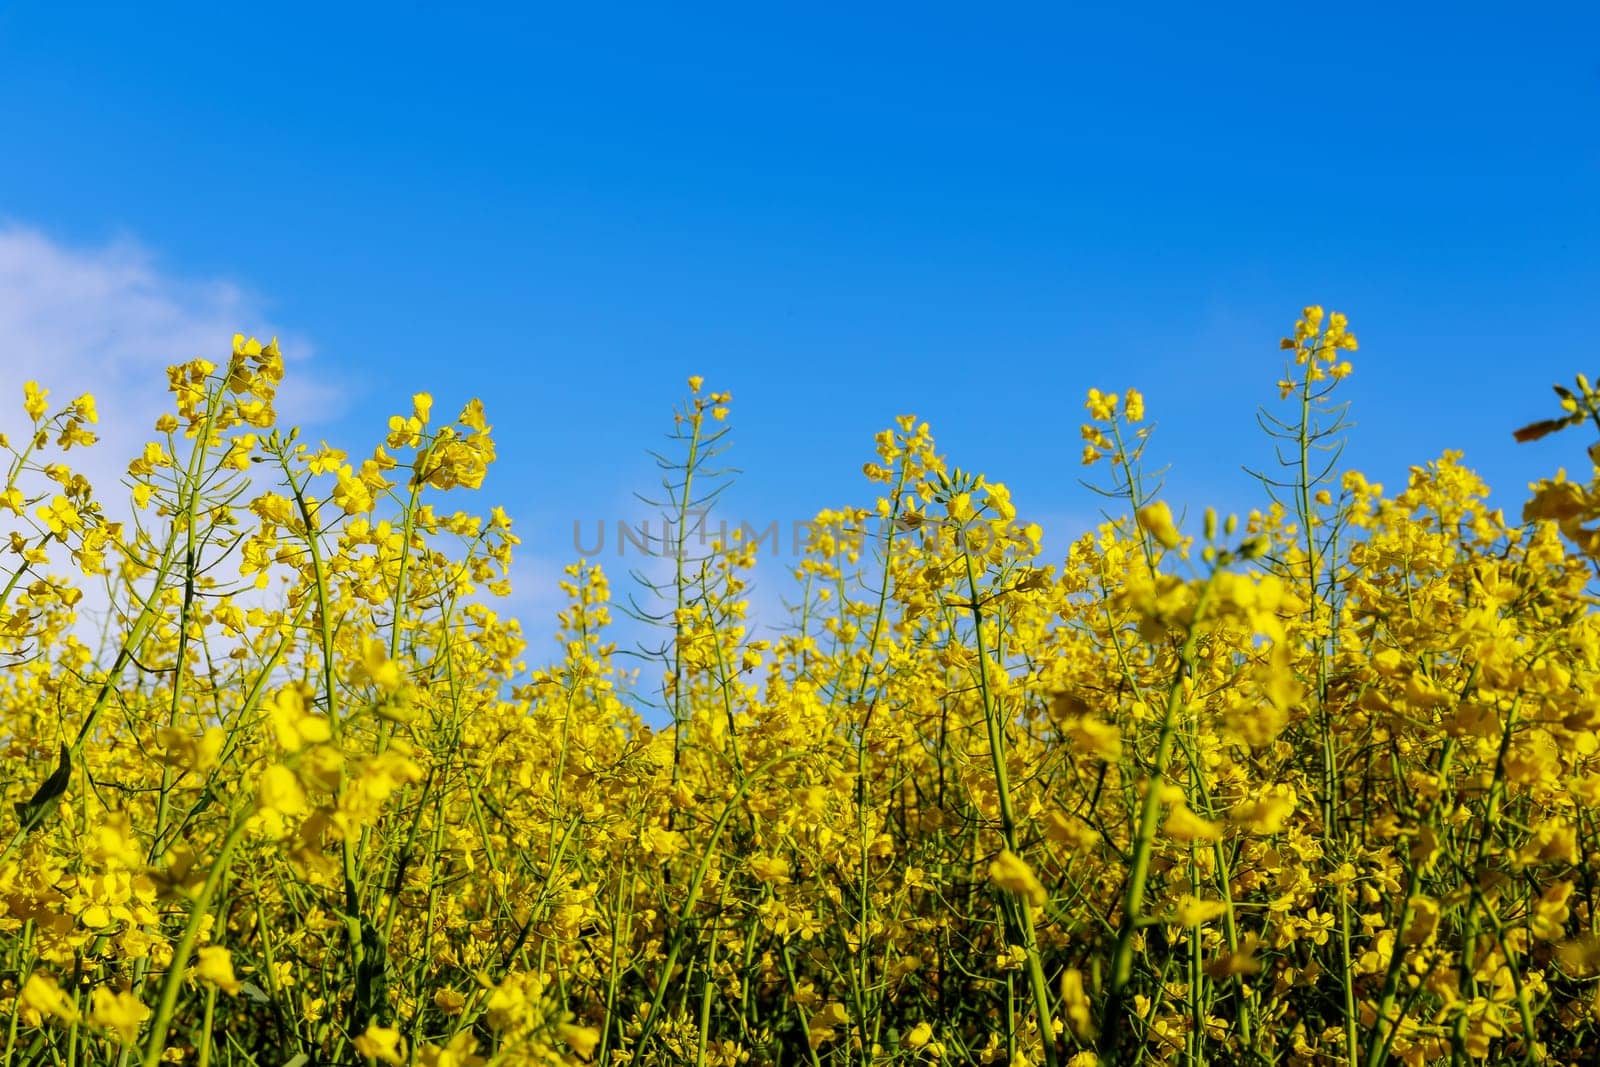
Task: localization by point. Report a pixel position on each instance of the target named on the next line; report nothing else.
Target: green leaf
(33, 812)
(1535, 430)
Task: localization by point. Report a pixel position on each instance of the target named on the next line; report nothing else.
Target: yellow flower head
(1156, 519)
(1185, 826)
(581, 1039)
(1011, 873)
(381, 1043)
(120, 1012)
(213, 964)
(41, 997)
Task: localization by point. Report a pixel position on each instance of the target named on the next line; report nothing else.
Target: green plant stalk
(18, 465)
(274, 990)
(707, 988)
(613, 974)
(206, 1025)
(794, 989)
(1134, 488)
(1384, 1028)
(1330, 770)
(408, 525)
(355, 920)
(692, 897)
(1230, 923)
(1144, 838)
(1197, 974)
(1490, 823)
(190, 491)
(861, 977)
(725, 690)
(16, 1002)
(1008, 821)
(168, 999)
(136, 633)
(679, 586)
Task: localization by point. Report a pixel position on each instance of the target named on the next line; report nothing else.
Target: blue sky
(839, 214)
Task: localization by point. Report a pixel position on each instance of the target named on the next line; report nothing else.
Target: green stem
(168, 999)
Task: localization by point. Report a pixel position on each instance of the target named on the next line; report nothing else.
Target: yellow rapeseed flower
(1185, 826)
(1009, 872)
(1156, 519)
(381, 1043)
(214, 964)
(41, 997)
(120, 1012)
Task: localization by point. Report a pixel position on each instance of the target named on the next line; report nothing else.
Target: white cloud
(108, 319)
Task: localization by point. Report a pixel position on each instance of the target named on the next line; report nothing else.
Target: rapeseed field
(1317, 784)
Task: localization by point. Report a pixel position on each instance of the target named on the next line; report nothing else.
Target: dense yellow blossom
(1313, 784)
